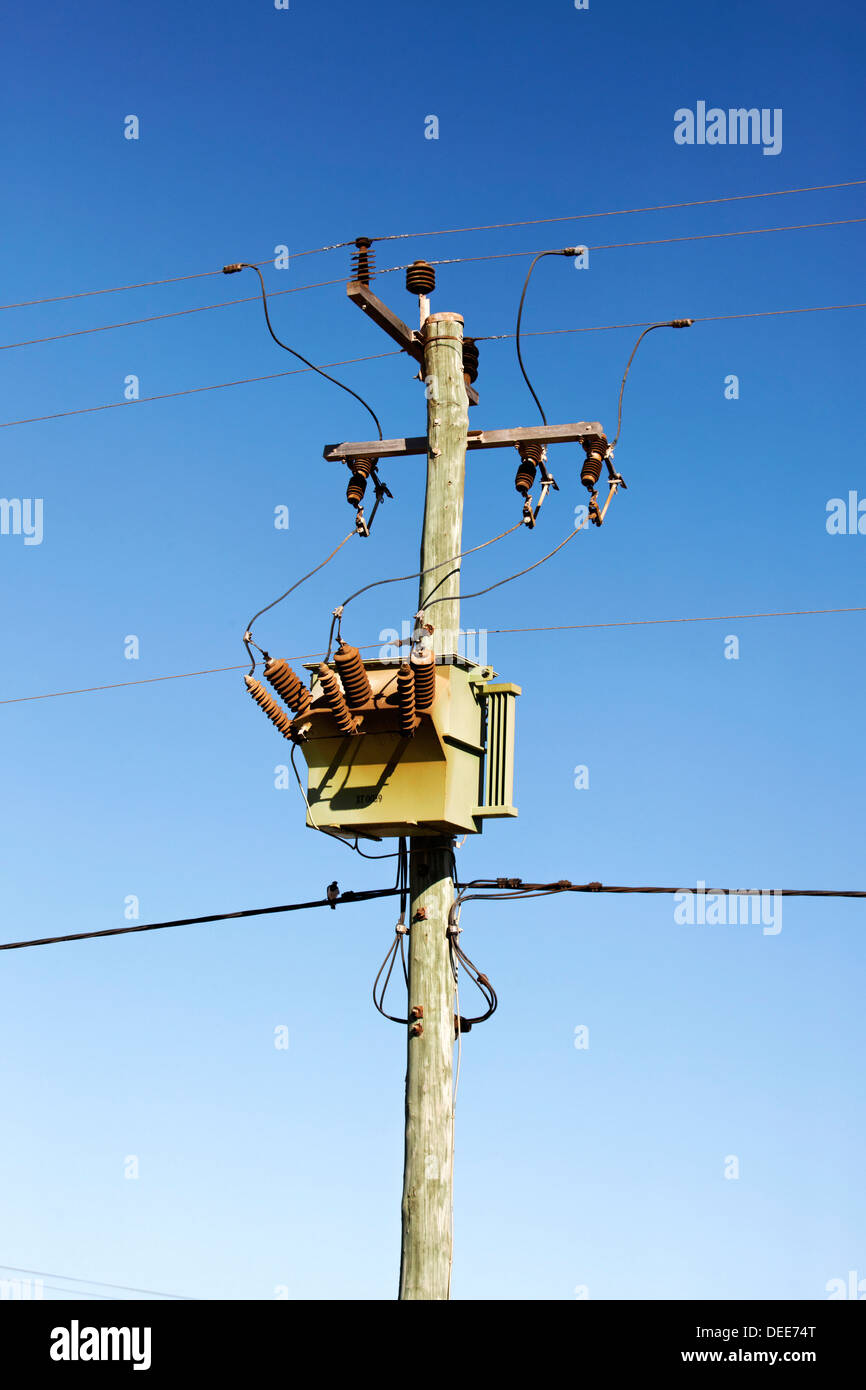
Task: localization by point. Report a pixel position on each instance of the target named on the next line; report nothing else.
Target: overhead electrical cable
(453, 260)
(376, 356)
(349, 897)
(497, 631)
(454, 231)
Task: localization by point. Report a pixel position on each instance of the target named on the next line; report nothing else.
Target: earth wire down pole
(425, 1262)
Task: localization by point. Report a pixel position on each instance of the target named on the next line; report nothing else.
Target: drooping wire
(400, 578)
(671, 323)
(458, 957)
(520, 316)
(519, 573)
(247, 265)
(247, 638)
(398, 946)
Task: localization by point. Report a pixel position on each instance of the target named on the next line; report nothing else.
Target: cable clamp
(509, 883)
(594, 887)
(361, 526)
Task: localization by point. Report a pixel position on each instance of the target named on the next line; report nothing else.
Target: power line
(191, 391)
(171, 280)
(652, 622)
(453, 260)
(125, 1288)
(707, 318)
(516, 888)
(373, 357)
(495, 889)
(493, 631)
(626, 245)
(175, 314)
(624, 212)
(454, 231)
(349, 897)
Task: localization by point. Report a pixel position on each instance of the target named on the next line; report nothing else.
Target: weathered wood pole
(425, 1263)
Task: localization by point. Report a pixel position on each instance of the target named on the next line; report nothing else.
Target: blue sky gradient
(601, 1168)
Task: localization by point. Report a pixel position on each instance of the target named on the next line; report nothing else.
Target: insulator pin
(424, 669)
(353, 674)
(406, 700)
(275, 712)
(363, 260)
(420, 278)
(335, 698)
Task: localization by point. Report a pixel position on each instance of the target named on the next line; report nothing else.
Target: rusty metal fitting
(416, 1011)
(415, 1030)
(421, 915)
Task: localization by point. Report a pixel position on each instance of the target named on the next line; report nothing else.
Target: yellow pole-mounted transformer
(413, 749)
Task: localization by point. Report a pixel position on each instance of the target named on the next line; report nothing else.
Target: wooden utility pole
(425, 1262)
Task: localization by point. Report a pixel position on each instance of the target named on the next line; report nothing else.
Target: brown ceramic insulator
(280, 675)
(363, 260)
(305, 699)
(591, 470)
(525, 477)
(531, 454)
(351, 670)
(406, 700)
(355, 490)
(424, 670)
(470, 360)
(360, 470)
(335, 698)
(275, 712)
(420, 278)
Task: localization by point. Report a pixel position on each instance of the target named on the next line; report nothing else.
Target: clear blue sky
(603, 1167)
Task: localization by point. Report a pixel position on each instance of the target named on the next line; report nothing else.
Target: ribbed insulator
(532, 453)
(424, 669)
(280, 675)
(351, 670)
(591, 470)
(470, 359)
(363, 260)
(305, 699)
(357, 485)
(406, 700)
(420, 278)
(355, 490)
(335, 698)
(524, 477)
(275, 712)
